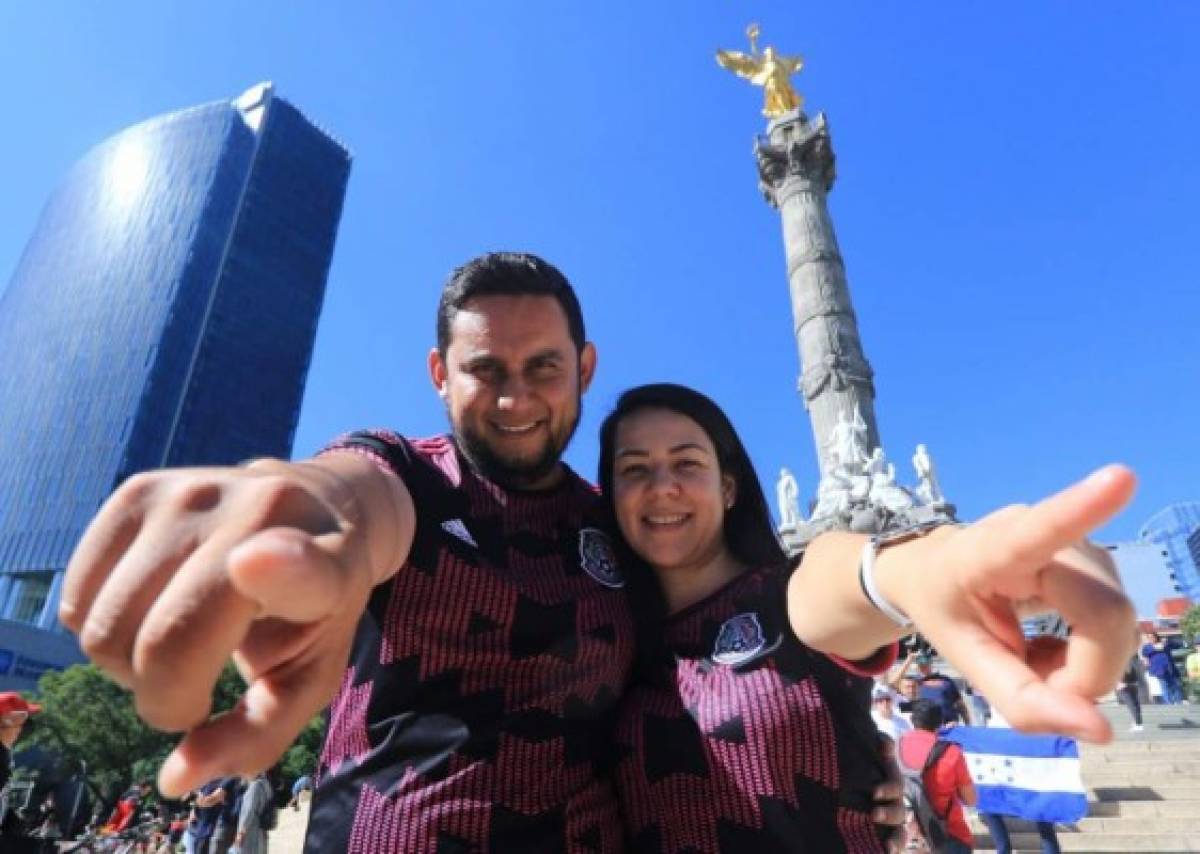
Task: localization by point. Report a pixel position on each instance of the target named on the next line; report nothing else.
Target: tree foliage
(87, 717)
(1189, 624)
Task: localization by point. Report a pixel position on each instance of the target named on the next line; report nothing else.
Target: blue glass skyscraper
(163, 313)
(1171, 529)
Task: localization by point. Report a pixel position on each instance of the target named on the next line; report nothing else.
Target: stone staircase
(1143, 789)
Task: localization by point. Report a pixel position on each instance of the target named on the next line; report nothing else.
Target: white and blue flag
(1035, 777)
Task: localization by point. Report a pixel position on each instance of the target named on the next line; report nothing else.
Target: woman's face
(668, 491)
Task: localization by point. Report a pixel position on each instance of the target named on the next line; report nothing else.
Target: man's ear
(587, 366)
(437, 372)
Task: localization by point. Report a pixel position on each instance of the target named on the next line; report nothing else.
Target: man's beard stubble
(514, 474)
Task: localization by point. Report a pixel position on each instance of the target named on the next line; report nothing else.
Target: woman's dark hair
(748, 531)
(507, 274)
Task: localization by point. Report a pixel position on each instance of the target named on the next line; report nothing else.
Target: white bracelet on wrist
(866, 580)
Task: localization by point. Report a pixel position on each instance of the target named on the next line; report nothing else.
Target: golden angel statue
(769, 70)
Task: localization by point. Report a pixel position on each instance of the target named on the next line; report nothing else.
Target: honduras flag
(1035, 777)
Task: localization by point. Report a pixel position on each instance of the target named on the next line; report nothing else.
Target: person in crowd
(14, 713)
(947, 782)
(126, 810)
(908, 686)
(208, 803)
(251, 837)
(742, 650)
(229, 800)
(303, 784)
(1160, 663)
(942, 690)
(883, 710)
(998, 828)
(981, 712)
(1127, 691)
(325, 583)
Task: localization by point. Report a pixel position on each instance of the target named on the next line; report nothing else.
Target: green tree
(1189, 625)
(302, 756)
(87, 717)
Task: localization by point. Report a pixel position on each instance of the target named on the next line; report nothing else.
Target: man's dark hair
(507, 274)
(927, 715)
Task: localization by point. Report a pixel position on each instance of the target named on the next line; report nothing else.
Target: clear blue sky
(1016, 203)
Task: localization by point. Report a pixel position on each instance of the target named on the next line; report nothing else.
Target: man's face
(11, 724)
(908, 687)
(512, 382)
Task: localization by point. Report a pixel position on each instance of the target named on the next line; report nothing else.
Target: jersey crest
(740, 638)
(597, 558)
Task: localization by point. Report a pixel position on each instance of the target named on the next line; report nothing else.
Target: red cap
(11, 701)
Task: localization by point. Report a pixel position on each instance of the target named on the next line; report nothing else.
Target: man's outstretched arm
(270, 563)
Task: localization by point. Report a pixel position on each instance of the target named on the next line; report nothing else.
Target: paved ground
(288, 835)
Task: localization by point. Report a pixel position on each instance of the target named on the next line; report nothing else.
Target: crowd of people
(915, 703)
(230, 815)
(515, 661)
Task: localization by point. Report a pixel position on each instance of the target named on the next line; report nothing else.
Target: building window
(29, 596)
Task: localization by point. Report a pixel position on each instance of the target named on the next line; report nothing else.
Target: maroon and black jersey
(751, 741)
(478, 703)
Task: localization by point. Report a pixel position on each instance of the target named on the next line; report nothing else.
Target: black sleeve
(386, 447)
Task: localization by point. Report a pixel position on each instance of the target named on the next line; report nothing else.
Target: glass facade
(1170, 528)
(1145, 573)
(163, 313)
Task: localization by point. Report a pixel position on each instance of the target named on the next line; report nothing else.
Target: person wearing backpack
(257, 816)
(936, 781)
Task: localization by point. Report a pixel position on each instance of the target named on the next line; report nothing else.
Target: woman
(748, 727)
(734, 682)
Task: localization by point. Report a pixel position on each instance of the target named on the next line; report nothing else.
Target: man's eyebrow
(480, 360)
(550, 353)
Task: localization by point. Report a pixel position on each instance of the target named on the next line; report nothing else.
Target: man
(212, 802)
(303, 784)
(457, 599)
(125, 812)
(947, 782)
(14, 712)
(941, 690)
(482, 677)
(251, 836)
(229, 802)
(1128, 693)
(883, 712)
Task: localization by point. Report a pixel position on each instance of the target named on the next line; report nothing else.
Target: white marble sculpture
(787, 491)
(847, 445)
(928, 489)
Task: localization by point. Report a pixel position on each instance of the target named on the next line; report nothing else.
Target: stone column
(796, 171)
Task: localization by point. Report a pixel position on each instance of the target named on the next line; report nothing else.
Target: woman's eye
(632, 471)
